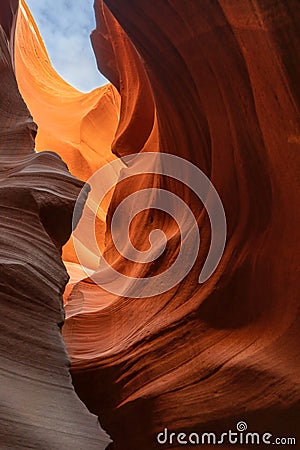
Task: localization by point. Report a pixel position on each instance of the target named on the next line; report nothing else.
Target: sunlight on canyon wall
(215, 83)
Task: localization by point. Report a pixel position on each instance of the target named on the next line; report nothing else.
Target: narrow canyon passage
(216, 84)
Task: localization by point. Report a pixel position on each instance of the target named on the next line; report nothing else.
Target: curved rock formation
(200, 358)
(38, 405)
(214, 82)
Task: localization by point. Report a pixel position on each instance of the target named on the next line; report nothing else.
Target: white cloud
(65, 26)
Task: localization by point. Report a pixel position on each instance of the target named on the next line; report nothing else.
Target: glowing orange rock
(68, 120)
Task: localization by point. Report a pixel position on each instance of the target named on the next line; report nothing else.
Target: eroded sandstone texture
(38, 405)
(215, 82)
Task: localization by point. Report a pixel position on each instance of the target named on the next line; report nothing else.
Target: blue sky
(65, 26)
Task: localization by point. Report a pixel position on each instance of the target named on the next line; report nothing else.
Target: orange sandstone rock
(214, 83)
(222, 77)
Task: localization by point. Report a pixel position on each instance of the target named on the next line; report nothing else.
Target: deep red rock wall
(223, 79)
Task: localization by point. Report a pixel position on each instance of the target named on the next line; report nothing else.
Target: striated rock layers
(38, 405)
(215, 82)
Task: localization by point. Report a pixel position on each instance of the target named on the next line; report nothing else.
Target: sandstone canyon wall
(214, 82)
(38, 405)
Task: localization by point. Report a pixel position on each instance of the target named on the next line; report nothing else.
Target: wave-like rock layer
(216, 83)
(38, 405)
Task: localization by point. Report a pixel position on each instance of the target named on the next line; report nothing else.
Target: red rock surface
(223, 79)
(215, 82)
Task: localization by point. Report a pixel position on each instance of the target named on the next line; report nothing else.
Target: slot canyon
(215, 83)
